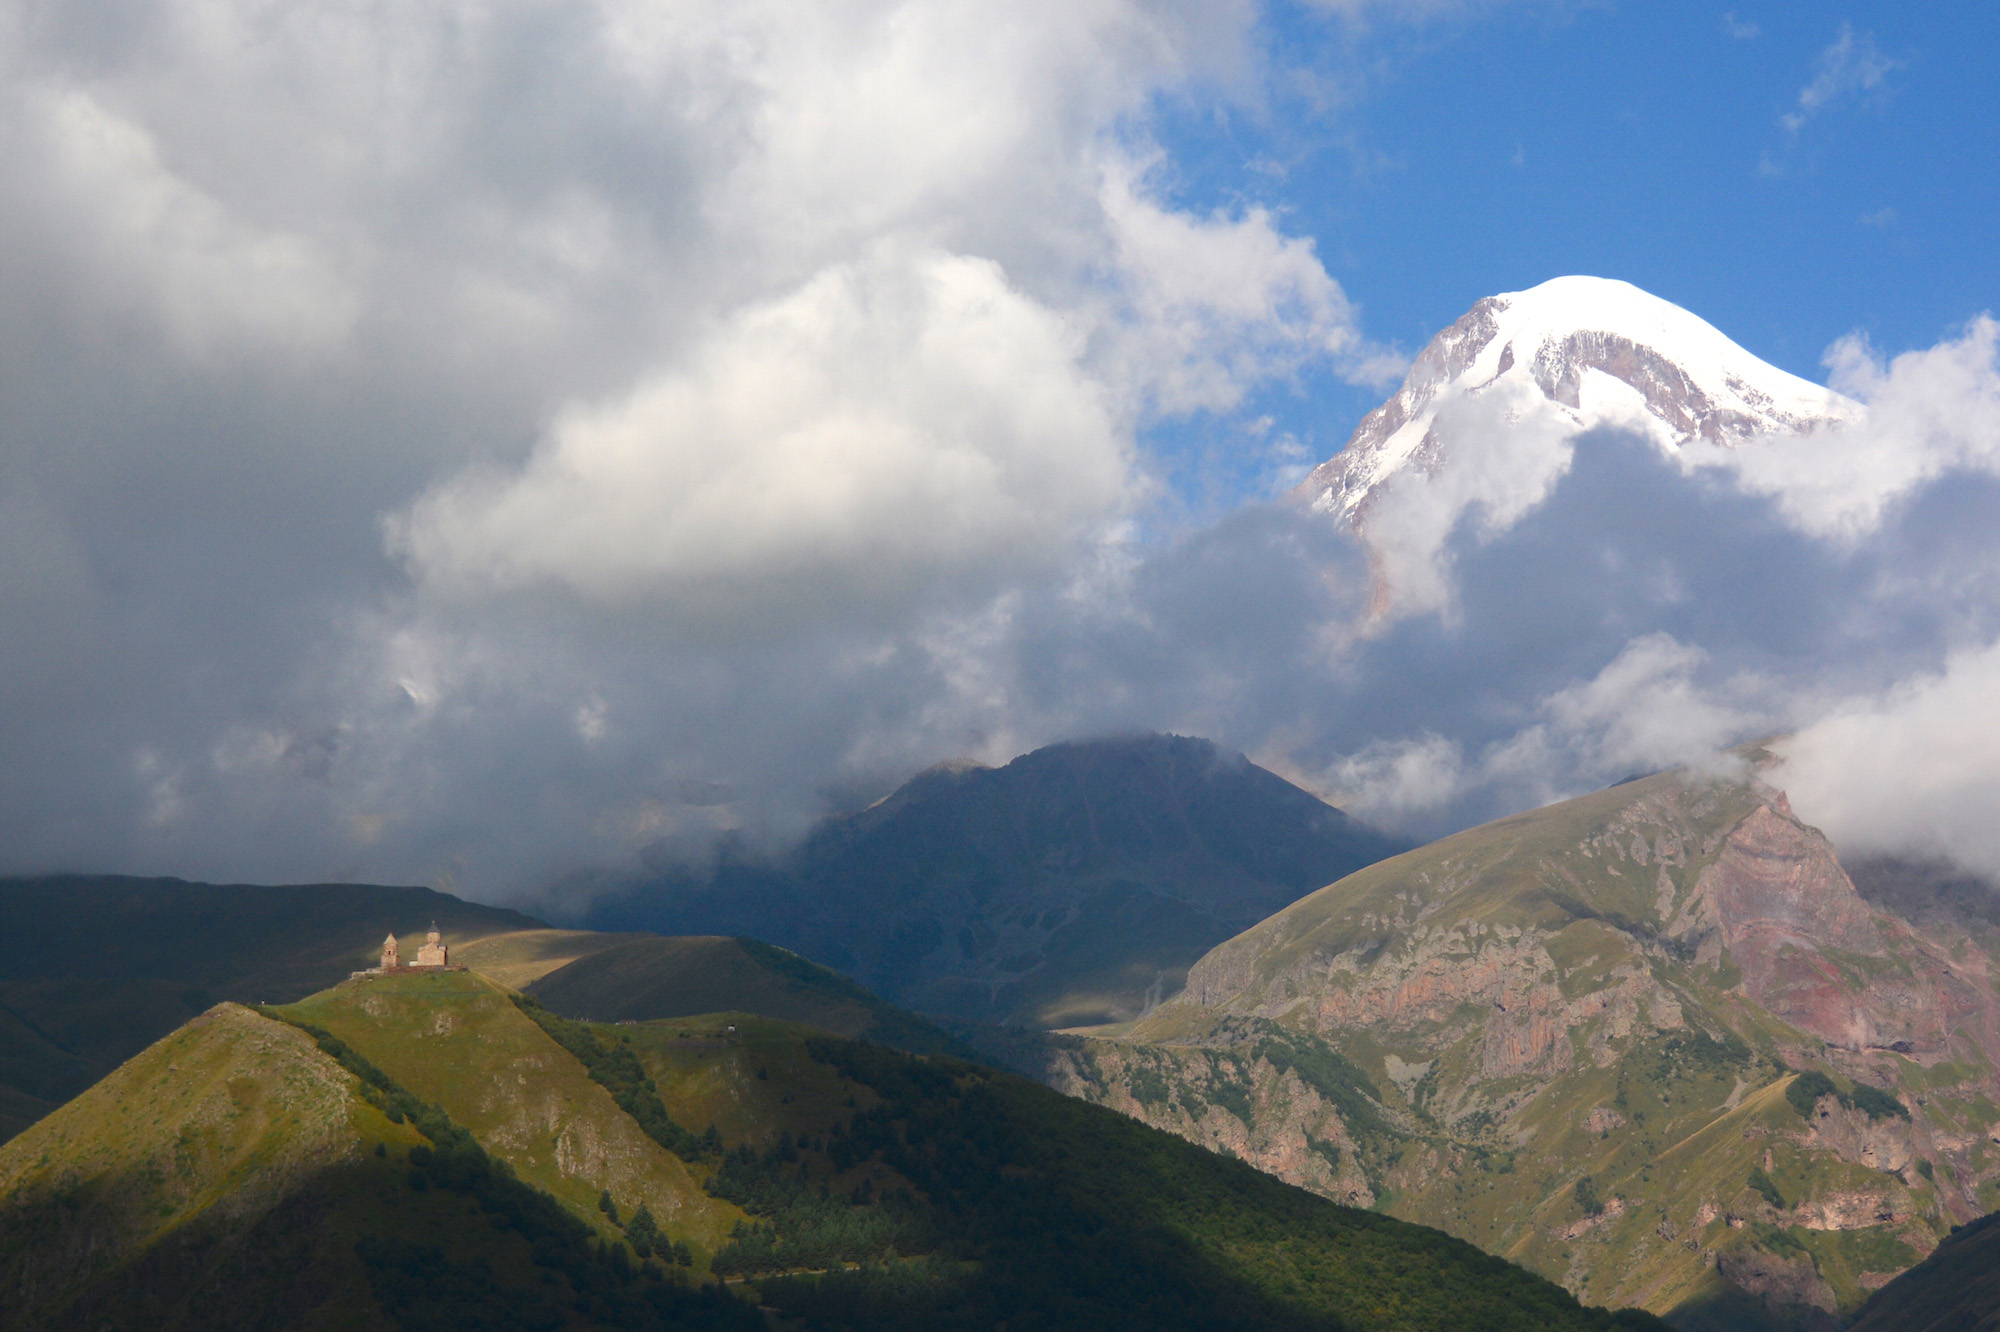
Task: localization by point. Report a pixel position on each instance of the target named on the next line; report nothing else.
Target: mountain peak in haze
(1072, 885)
(1601, 353)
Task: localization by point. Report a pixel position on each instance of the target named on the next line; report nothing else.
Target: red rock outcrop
(1783, 909)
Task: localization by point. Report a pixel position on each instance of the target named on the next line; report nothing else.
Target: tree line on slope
(1040, 1211)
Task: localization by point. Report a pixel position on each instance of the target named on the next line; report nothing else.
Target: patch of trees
(1048, 1212)
(648, 1240)
(1762, 1184)
(1807, 1088)
(797, 1226)
(614, 1066)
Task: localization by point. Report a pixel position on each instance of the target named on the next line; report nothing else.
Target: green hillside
(435, 1150)
(94, 969)
(234, 1175)
(1650, 1043)
(461, 1043)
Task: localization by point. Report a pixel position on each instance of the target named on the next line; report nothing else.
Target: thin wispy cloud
(1740, 29)
(1851, 64)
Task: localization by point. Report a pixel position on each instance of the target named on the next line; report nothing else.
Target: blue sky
(1490, 149)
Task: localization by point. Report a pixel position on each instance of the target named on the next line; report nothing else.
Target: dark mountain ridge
(1956, 1289)
(94, 968)
(1074, 885)
(646, 977)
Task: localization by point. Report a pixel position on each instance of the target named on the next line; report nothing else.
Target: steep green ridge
(94, 969)
(460, 1042)
(235, 1174)
(640, 977)
(1956, 1289)
(415, 1150)
(1650, 1043)
(1075, 884)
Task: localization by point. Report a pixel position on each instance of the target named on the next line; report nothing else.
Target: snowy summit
(1599, 353)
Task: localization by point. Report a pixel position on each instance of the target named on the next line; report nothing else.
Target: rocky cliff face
(1815, 954)
(1651, 1042)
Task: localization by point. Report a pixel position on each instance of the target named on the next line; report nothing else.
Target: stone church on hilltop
(432, 956)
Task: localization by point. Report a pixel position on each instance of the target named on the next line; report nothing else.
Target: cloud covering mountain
(1707, 571)
(469, 442)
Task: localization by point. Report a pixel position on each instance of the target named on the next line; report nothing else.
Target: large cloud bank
(471, 442)
(465, 440)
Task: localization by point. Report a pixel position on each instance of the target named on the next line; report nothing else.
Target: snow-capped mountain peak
(1597, 352)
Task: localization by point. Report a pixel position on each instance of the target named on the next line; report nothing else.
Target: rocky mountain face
(1590, 352)
(1652, 1043)
(1074, 885)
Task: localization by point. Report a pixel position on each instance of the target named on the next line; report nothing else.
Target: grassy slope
(1496, 874)
(1065, 1205)
(235, 1175)
(458, 1041)
(519, 958)
(116, 1203)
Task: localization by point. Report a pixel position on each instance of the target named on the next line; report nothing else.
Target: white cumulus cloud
(1498, 454)
(1912, 770)
(143, 245)
(1219, 304)
(1929, 412)
(1654, 706)
(907, 418)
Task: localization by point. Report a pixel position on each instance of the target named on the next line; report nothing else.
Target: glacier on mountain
(1580, 353)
